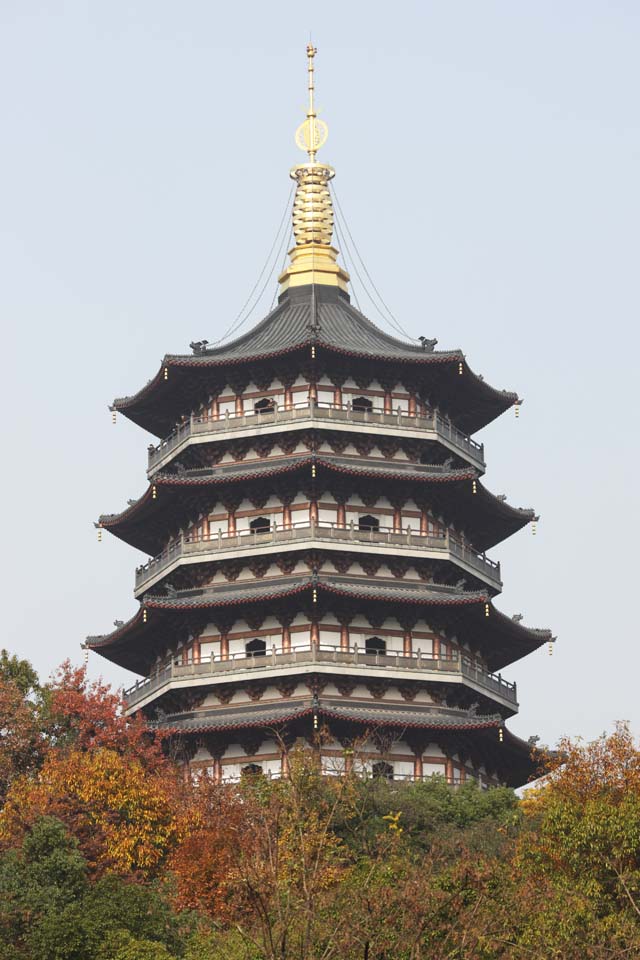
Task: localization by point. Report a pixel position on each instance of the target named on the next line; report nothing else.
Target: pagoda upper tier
(346, 344)
(174, 501)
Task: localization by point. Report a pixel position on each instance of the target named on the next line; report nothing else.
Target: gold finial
(313, 133)
(313, 259)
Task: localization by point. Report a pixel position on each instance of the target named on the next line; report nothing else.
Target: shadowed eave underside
(144, 524)
(502, 639)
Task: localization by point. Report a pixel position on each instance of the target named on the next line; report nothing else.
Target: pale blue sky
(487, 158)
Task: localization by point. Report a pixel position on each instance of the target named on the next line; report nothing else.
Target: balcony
(204, 429)
(279, 662)
(385, 541)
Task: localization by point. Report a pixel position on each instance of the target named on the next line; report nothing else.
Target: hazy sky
(487, 158)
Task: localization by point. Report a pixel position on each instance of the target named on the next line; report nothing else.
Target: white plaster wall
(403, 769)
(333, 765)
(431, 769)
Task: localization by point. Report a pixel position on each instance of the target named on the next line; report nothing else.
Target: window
(375, 645)
(266, 405)
(260, 525)
(367, 522)
(382, 770)
(256, 647)
(362, 403)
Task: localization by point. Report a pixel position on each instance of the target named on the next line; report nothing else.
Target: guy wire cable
(395, 322)
(347, 258)
(284, 260)
(365, 289)
(237, 323)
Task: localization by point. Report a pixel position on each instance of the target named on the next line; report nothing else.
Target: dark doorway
(255, 648)
(260, 525)
(266, 405)
(374, 645)
(382, 770)
(252, 770)
(363, 404)
(368, 523)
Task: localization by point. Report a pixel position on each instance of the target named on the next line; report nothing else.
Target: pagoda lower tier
(349, 732)
(380, 659)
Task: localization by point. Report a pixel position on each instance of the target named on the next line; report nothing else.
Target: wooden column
(313, 512)
(239, 405)
(448, 767)
(388, 402)
(436, 647)
(286, 640)
(196, 651)
(424, 523)
(224, 646)
(288, 398)
(348, 761)
(232, 523)
(217, 770)
(397, 520)
(407, 644)
(412, 404)
(344, 637)
(313, 392)
(215, 409)
(337, 396)
(284, 764)
(315, 635)
(341, 515)
(417, 767)
(206, 528)
(286, 516)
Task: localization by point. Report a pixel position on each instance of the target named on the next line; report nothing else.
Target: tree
(22, 741)
(50, 910)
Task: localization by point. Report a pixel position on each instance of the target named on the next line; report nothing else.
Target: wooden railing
(356, 658)
(446, 546)
(197, 426)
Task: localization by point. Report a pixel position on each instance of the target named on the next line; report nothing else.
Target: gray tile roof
(264, 714)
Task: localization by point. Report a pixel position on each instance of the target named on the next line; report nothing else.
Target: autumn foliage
(107, 852)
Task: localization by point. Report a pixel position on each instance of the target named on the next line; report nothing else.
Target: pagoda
(317, 527)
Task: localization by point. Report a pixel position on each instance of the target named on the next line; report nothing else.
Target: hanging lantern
(154, 492)
(534, 528)
(166, 373)
(99, 534)
(501, 735)
(313, 351)
(313, 470)
(144, 615)
(550, 648)
(113, 416)
(486, 609)
(315, 595)
(517, 410)
(474, 486)
(315, 721)
(460, 368)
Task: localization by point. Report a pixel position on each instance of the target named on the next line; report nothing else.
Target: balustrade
(219, 667)
(405, 540)
(208, 425)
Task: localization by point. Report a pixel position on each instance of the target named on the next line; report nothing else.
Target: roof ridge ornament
(313, 258)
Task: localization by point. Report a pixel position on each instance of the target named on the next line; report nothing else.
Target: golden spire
(313, 259)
